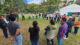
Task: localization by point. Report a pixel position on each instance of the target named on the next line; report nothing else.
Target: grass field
(73, 39)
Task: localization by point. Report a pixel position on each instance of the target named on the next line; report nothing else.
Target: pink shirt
(32, 14)
(63, 16)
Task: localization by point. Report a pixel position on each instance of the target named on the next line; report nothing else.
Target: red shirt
(63, 16)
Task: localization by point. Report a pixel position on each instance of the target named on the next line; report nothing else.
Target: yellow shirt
(77, 24)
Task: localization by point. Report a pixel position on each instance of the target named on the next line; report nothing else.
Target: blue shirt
(17, 15)
(22, 14)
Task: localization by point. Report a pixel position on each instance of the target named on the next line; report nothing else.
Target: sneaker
(65, 38)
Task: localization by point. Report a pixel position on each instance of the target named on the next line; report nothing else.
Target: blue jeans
(39, 17)
(33, 17)
(59, 40)
(34, 42)
(76, 30)
(5, 33)
(18, 40)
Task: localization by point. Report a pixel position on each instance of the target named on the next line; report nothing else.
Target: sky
(33, 1)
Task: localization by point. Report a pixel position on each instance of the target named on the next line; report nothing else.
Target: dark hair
(52, 22)
(1, 16)
(35, 23)
(64, 19)
(12, 17)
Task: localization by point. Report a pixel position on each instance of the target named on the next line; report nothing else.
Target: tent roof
(71, 6)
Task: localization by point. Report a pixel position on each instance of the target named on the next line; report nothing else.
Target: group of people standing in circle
(11, 28)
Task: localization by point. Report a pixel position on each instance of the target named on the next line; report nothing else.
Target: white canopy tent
(70, 8)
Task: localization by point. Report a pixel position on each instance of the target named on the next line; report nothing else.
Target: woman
(34, 33)
(50, 32)
(64, 16)
(76, 26)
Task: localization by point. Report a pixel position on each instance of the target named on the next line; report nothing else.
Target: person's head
(71, 18)
(12, 17)
(7, 13)
(1, 17)
(35, 23)
(64, 14)
(79, 19)
(52, 22)
(63, 20)
(4, 15)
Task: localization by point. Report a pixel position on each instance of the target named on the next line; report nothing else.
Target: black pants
(58, 20)
(48, 42)
(67, 34)
(52, 17)
(36, 17)
(29, 17)
(55, 19)
(47, 18)
(17, 19)
(23, 18)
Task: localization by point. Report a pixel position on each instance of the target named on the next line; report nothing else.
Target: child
(3, 26)
(13, 29)
(50, 31)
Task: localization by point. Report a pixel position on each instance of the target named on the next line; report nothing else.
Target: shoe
(65, 38)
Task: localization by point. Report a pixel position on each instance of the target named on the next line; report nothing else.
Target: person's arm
(17, 32)
(4, 24)
(47, 28)
(8, 31)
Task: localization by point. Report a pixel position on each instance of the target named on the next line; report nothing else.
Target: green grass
(73, 39)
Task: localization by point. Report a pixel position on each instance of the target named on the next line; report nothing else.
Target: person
(43, 15)
(39, 16)
(50, 31)
(13, 29)
(55, 16)
(29, 15)
(17, 17)
(58, 18)
(7, 17)
(23, 17)
(3, 26)
(50, 15)
(36, 15)
(62, 31)
(64, 16)
(70, 24)
(33, 15)
(47, 16)
(34, 33)
(76, 26)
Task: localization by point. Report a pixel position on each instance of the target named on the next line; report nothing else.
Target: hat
(71, 17)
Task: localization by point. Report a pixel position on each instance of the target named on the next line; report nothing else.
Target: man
(58, 18)
(70, 24)
(62, 31)
(42, 15)
(36, 15)
(23, 18)
(17, 17)
(13, 29)
(7, 17)
(39, 16)
(55, 16)
(3, 26)
(29, 15)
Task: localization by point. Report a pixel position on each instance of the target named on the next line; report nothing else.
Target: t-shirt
(22, 14)
(13, 26)
(63, 16)
(33, 35)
